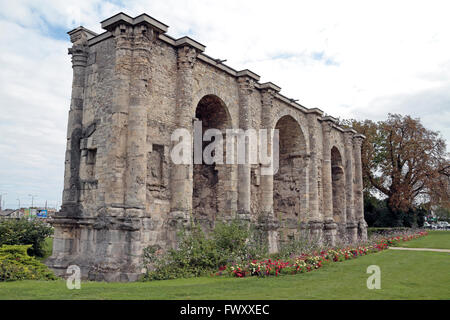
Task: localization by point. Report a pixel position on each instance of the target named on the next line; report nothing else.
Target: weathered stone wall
(132, 87)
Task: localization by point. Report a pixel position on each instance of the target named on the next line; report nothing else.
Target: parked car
(443, 224)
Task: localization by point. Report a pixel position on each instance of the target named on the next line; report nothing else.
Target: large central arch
(290, 181)
(210, 180)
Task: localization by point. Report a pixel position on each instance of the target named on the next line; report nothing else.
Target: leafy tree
(23, 232)
(404, 161)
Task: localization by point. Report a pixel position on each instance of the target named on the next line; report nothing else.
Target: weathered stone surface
(132, 87)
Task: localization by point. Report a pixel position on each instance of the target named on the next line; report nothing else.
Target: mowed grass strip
(404, 275)
(437, 239)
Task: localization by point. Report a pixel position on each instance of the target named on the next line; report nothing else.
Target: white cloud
(349, 58)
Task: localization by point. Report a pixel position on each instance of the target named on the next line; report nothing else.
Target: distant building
(40, 213)
(11, 214)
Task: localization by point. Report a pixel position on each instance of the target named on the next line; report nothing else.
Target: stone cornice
(269, 85)
(248, 73)
(350, 130)
(337, 127)
(329, 119)
(186, 41)
(359, 136)
(315, 110)
(75, 34)
(122, 18)
(291, 103)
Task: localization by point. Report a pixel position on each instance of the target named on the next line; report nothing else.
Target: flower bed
(309, 262)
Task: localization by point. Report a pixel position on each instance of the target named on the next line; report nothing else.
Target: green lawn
(434, 240)
(404, 275)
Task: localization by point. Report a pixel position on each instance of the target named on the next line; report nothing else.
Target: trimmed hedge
(16, 264)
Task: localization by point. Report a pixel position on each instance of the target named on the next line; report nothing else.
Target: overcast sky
(352, 59)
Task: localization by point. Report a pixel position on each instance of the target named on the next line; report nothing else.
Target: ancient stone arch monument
(133, 85)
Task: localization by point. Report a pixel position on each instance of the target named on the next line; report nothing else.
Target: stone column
(71, 193)
(358, 187)
(267, 221)
(116, 144)
(67, 230)
(352, 230)
(246, 87)
(330, 226)
(315, 220)
(182, 175)
(139, 102)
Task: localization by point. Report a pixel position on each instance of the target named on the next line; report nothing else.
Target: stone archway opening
(338, 185)
(209, 180)
(289, 182)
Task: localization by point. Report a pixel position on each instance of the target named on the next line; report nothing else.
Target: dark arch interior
(208, 181)
(338, 185)
(211, 110)
(288, 181)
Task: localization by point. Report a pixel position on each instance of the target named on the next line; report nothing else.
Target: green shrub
(194, 256)
(16, 264)
(386, 231)
(230, 237)
(197, 254)
(237, 241)
(300, 244)
(24, 232)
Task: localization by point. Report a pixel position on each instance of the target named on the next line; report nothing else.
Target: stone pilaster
(330, 226)
(358, 187)
(267, 220)
(182, 174)
(139, 103)
(246, 87)
(116, 145)
(352, 231)
(315, 219)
